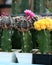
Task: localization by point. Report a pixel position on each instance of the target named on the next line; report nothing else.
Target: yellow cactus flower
(43, 24)
(37, 26)
(50, 26)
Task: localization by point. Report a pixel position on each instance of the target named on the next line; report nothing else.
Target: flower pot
(42, 59)
(44, 27)
(24, 57)
(10, 57)
(6, 57)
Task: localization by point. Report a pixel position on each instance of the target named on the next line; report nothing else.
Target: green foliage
(15, 7)
(50, 9)
(24, 5)
(39, 6)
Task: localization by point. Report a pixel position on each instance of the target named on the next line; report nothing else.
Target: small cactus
(26, 42)
(6, 40)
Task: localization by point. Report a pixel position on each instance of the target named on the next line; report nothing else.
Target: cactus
(6, 40)
(44, 41)
(26, 41)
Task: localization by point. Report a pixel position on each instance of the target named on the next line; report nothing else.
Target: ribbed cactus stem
(26, 42)
(44, 41)
(6, 40)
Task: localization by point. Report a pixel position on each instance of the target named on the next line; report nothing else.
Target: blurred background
(37, 6)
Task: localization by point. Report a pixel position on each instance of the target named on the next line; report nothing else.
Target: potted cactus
(43, 37)
(6, 36)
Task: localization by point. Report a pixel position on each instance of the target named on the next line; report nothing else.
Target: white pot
(24, 57)
(5, 57)
(9, 57)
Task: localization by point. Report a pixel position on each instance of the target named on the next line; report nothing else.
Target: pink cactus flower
(30, 13)
(27, 12)
(4, 14)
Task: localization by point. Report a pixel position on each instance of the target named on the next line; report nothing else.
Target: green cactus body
(1, 31)
(26, 41)
(44, 41)
(6, 40)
